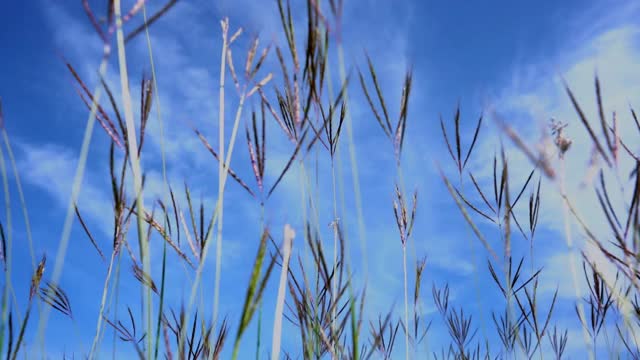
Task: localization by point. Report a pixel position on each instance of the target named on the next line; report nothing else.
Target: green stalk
(136, 171)
(164, 177)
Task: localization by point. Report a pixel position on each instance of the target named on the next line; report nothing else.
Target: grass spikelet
(56, 298)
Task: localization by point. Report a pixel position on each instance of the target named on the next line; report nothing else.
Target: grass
(320, 303)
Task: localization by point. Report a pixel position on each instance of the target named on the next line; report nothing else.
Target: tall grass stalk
(136, 172)
(156, 92)
(221, 167)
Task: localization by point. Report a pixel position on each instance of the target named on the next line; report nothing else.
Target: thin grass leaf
(585, 122)
(457, 125)
(603, 120)
(86, 230)
(466, 216)
(473, 142)
(215, 155)
(155, 17)
(144, 278)
(288, 165)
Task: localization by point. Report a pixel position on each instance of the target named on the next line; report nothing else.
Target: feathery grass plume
(394, 133)
(600, 301)
(558, 341)
(144, 278)
(148, 218)
(315, 307)
(561, 141)
(37, 277)
(459, 327)
(113, 7)
(404, 220)
(383, 336)
(127, 335)
(418, 335)
(457, 157)
(56, 298)
(532, 315)
(103, 118)
(198, 343)
(229, 170)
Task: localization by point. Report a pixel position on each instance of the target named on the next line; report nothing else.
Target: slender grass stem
(164, 175)
(136, 171)
(101, 314)
(406, 301)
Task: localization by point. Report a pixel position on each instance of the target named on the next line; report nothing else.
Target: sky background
(500, 53)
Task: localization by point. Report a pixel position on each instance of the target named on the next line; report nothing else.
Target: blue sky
(498, 52)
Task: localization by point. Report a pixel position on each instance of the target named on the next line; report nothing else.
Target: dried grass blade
(374, 77)
(103, 119)
(475, 184)
(144, 278)
(457, 125)
(603, 120)
(585, 122)
(466, 215)
(94, 21)
(250, 55)
(446, 140)
(635, 118)
(86, 230)
(473, 142)
(155, 17)
(164, 235)
(473, 207)
(215, 155)
(262, 83)
(188, 235)
(373, 108)
(56, 298)
(288, 165)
